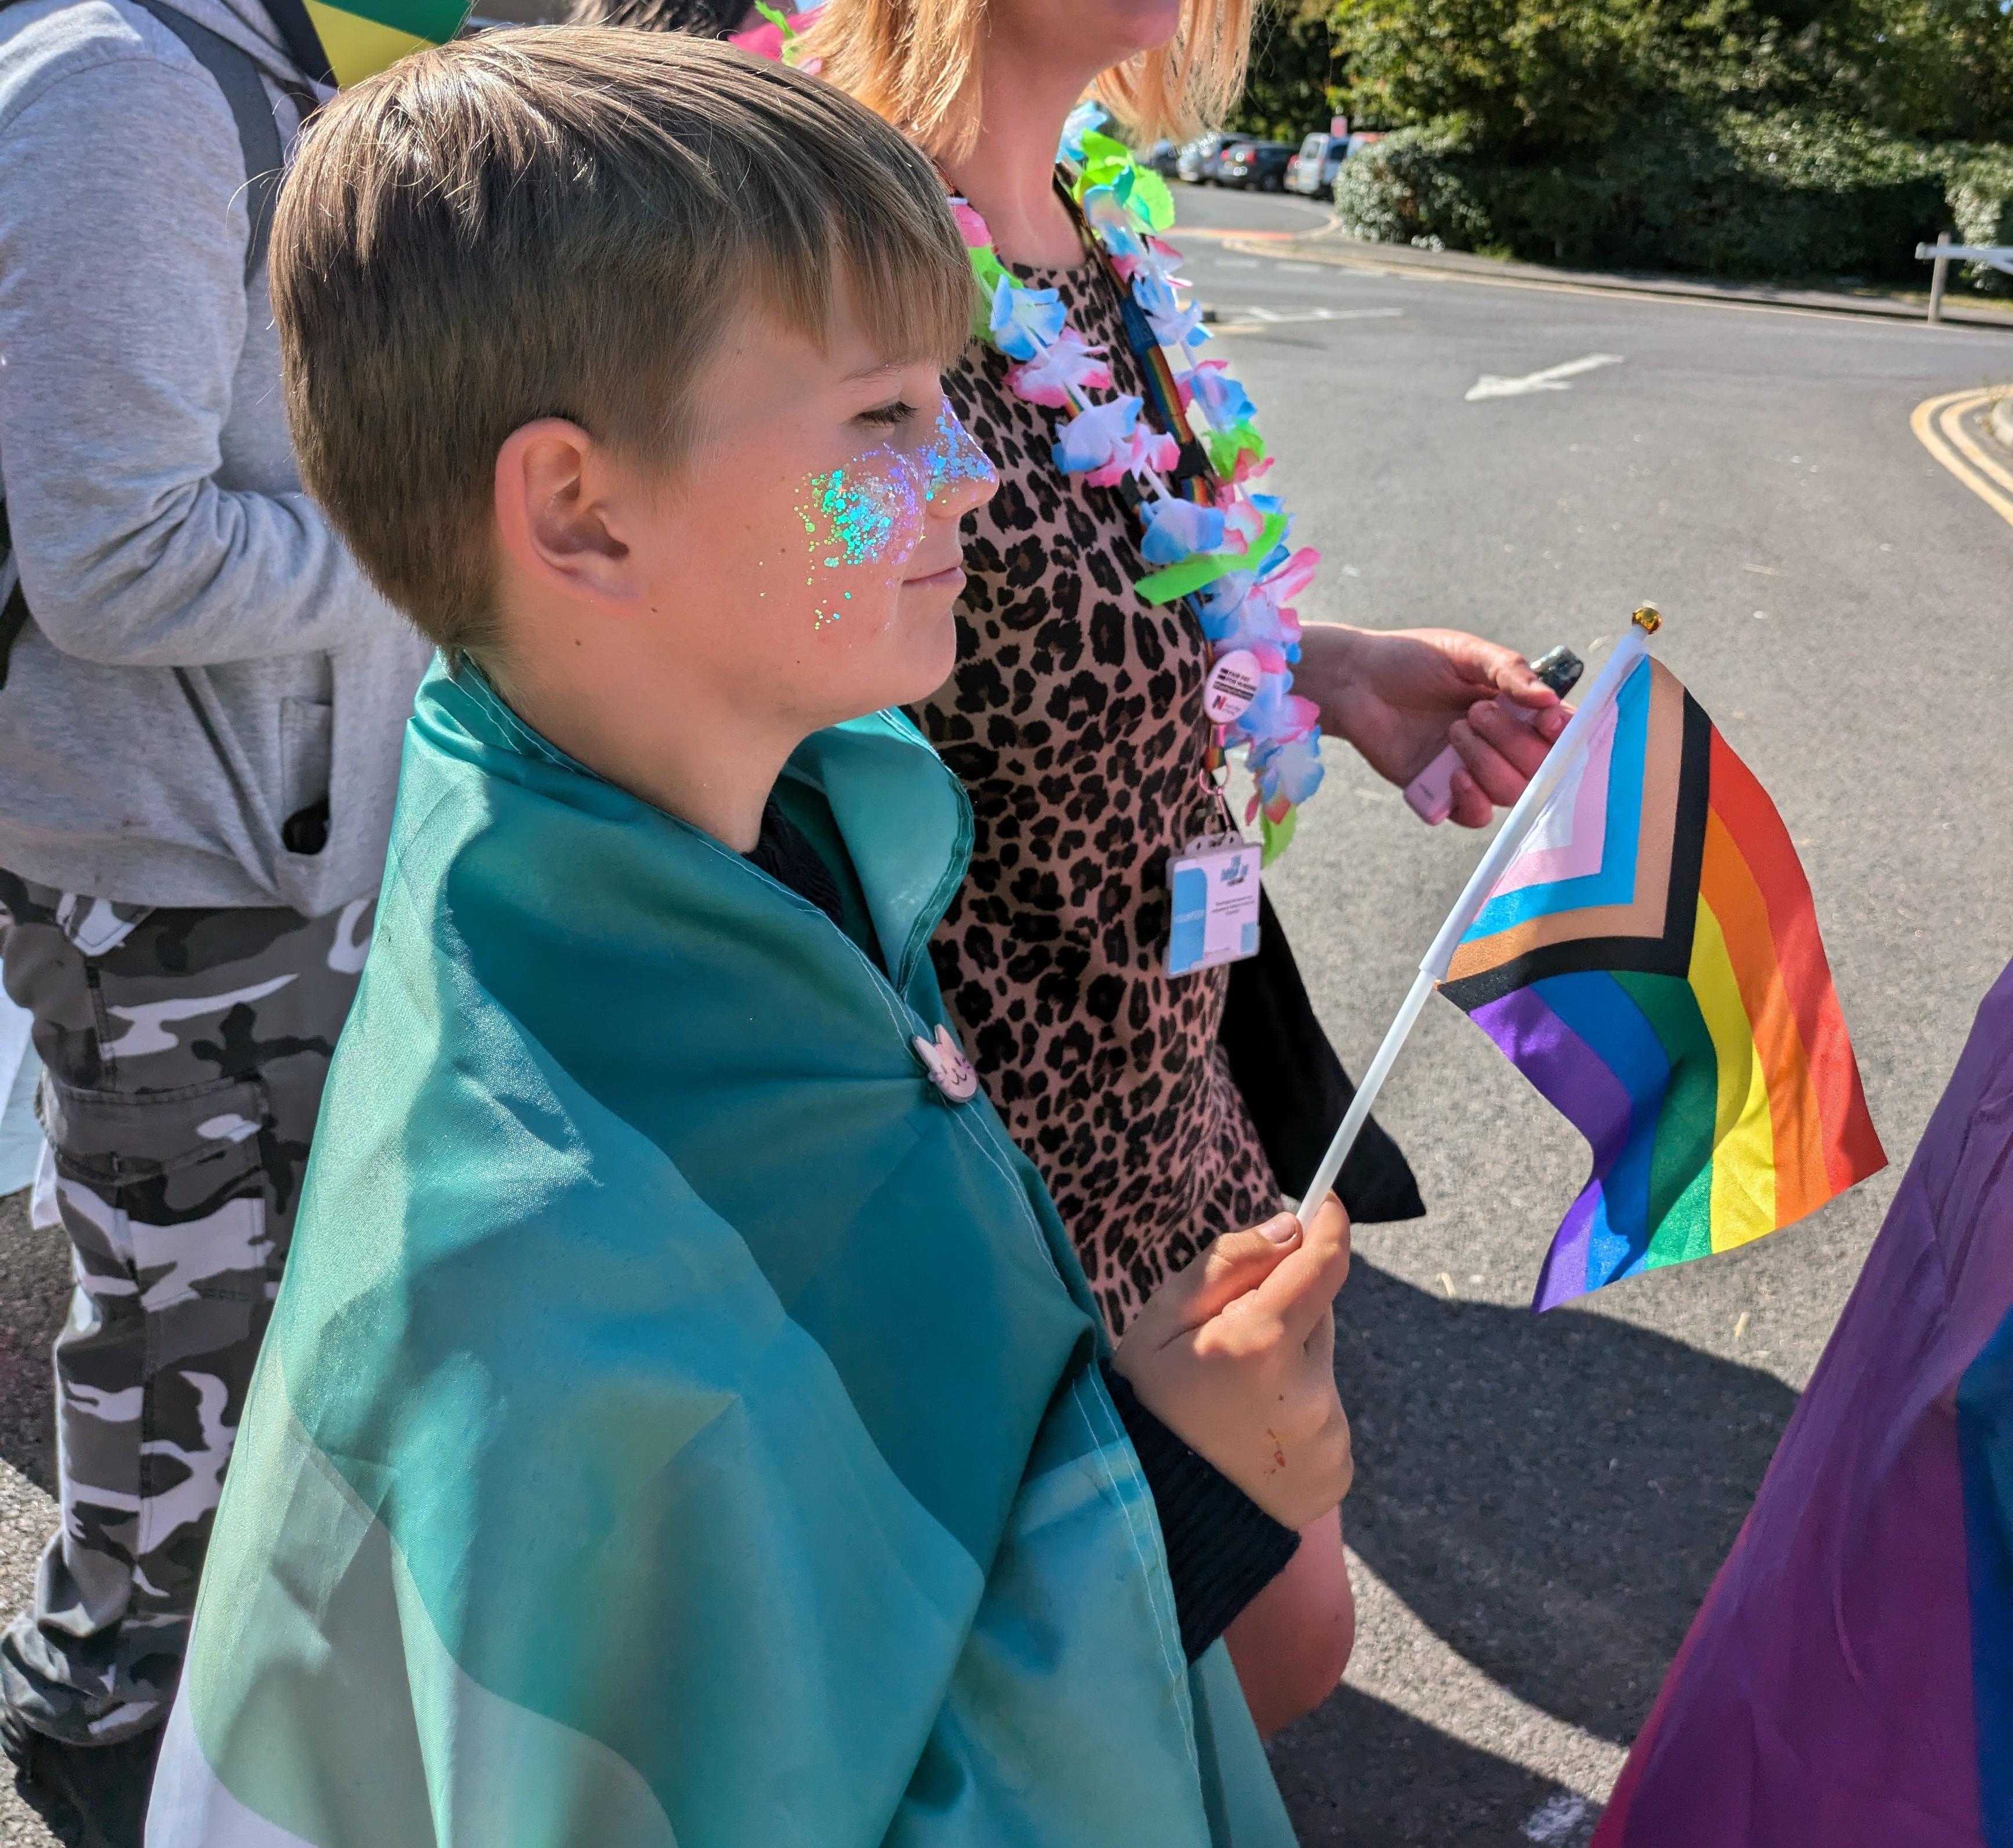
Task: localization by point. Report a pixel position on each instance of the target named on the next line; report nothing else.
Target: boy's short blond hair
(560, 222)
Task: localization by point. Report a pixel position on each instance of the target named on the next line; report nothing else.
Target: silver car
(1313, 169)
(1199, 163)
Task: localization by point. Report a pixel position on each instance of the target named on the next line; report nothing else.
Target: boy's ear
(560, 513)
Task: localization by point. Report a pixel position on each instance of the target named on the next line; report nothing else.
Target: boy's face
(807, 558)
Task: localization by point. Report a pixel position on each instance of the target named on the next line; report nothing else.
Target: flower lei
(1227, 550)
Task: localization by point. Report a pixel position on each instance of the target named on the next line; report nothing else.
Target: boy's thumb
(1235, 1263)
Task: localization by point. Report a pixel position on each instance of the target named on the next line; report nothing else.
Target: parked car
(1198, 161)
(1259, 165)
(1313, 169)
(1165, 158)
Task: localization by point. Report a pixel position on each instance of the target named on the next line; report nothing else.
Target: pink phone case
(1430, 794)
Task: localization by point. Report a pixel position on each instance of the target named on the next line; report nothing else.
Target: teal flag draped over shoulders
(681, 1423)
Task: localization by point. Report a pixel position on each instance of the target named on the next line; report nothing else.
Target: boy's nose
(957, 474)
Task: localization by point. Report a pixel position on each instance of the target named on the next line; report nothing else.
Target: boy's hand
(1236, 1354)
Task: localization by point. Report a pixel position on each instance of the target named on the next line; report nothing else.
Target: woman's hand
(1399, 696)
(1236, 1354)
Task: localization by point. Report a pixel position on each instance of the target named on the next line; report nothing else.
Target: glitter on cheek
(868, 513)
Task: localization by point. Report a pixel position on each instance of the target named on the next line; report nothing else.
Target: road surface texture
(1540, 1502)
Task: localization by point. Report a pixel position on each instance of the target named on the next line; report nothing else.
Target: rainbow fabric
(1650, 961)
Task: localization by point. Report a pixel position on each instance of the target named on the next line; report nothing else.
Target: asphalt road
(1540, 1503)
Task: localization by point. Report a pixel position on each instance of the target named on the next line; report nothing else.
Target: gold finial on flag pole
(1649, 619)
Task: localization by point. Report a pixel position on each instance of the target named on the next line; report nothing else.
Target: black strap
(234, 73)
(258, 134)
(14, 612)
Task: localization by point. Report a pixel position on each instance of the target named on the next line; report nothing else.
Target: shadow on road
(1368, 1794)
(34, 1299)
(1551, 1495)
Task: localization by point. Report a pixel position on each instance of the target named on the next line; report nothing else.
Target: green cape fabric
(680, 1424)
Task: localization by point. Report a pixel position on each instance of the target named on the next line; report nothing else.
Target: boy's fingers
(1234, 1265)
(1299, 1291)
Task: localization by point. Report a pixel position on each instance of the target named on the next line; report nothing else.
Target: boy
(684, 1420)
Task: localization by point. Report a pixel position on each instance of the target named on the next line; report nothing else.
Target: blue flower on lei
(1179, 529)
(1173, 325)
(1112, 220)
(1288, 770)
(1086, 118)
(1224, 401)
(1025, 320)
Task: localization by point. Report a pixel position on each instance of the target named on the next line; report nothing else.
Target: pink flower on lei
(1105, 444)
(766, 39)
(1068, 365)
(971, 226)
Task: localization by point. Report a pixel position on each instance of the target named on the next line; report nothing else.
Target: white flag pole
(1433, 966)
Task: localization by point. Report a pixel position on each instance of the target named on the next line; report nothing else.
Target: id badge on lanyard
(1214, 885)
(1214, 888)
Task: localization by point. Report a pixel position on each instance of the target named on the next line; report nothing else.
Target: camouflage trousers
(185, 1052)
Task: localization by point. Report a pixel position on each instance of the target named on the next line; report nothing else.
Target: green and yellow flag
(343, 45)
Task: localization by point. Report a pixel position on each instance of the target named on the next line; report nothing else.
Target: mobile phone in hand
(1430, 794)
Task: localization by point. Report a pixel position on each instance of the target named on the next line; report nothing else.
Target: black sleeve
(1223, 1548)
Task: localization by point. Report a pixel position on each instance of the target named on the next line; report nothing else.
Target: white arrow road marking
(1552, 379)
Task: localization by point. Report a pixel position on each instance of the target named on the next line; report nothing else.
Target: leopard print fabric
(1075, 718)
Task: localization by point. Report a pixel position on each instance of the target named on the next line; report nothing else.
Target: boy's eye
(888, 416)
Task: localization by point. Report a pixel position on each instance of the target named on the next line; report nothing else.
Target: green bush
(1981, 210)
(1730, 137)
(1731, 194)
(1412, 188)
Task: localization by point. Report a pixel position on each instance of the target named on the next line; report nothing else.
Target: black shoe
(92, 1796)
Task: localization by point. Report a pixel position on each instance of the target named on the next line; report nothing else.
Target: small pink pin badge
(1231, 686)
(949, 1070)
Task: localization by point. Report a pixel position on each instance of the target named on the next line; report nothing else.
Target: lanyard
(1191, 468)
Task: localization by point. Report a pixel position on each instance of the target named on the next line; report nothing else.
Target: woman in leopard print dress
(1075, 717)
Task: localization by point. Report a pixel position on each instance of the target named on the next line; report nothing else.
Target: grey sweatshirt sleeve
(142, 540)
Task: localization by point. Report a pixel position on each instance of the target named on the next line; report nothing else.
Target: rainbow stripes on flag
(1650, 961)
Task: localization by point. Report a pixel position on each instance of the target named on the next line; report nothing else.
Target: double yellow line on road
(1939, 423)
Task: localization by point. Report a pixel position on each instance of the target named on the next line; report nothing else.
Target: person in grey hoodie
(200, 726)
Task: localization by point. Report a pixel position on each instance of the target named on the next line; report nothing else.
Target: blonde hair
(561, 223)
(917, 62)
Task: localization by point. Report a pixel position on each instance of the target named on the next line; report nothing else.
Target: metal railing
(1943, 253)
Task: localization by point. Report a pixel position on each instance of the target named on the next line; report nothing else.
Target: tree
(1294, 82)
(1536, 78)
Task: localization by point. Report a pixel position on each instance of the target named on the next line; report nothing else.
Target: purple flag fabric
(1849, 1679)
